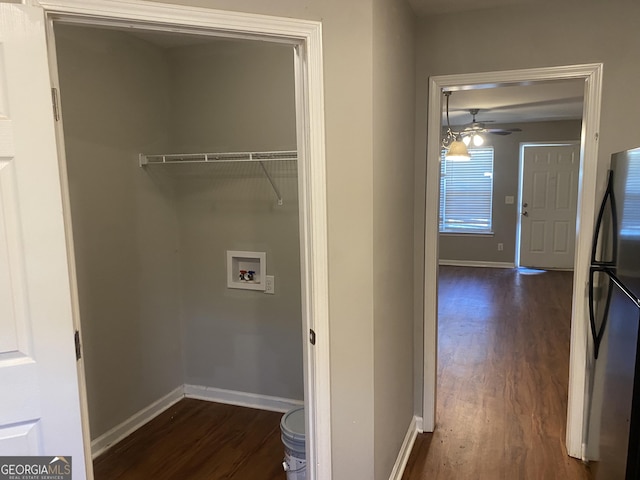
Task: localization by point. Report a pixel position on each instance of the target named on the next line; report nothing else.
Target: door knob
(525, 205)
(525, 214)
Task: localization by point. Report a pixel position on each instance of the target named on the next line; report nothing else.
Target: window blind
(466, 193)
(630, 223)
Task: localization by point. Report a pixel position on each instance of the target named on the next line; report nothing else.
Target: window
(466, 193)
(630, 222)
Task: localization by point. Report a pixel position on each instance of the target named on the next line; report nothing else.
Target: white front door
(549, 205)
(39, 399)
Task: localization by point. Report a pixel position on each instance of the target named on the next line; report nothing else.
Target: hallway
(503, 366)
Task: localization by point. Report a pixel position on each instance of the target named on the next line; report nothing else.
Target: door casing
(578, 361)
(306, 37)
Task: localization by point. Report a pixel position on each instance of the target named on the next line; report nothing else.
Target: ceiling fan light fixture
(457, 151)
(475, 138)
(455, 147)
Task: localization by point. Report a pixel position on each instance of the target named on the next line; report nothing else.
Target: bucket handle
(287, 468)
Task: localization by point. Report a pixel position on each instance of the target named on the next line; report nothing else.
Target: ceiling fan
(455, 143)
(476, 128)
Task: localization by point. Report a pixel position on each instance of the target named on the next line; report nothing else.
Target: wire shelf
(259, 158)
(177, 158)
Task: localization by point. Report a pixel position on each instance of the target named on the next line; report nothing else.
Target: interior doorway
(305, 41)
(164, 220)
(591, 74)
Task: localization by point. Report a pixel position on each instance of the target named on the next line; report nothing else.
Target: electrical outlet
(269, 284)
(500, 247)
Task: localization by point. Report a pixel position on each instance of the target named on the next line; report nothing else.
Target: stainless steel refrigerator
(613, 441)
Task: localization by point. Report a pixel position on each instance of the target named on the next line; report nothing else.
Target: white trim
(306, 35)
(577, 414)
(160, 16)
(592, 75)
(241, 399)
(312, 207)
(405, 449)
(133, 423)
(476, 263)
(419, 424)
(73, 276)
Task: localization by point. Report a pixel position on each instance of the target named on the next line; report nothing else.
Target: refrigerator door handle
(592, 315)
(598, 332)
(609, 198)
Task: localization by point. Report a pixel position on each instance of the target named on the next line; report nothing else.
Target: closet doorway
(151, 239)
(151, 232)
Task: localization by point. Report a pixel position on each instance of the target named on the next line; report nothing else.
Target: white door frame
(592, 76)
(306, 37)
(521, 148)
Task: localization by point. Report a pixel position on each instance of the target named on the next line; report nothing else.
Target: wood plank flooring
(502, 398)
(502, 379)
(199, 440)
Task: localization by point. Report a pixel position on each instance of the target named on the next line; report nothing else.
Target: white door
(39, 399)
(549, 206)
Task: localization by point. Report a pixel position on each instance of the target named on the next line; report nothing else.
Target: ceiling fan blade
(503, 131)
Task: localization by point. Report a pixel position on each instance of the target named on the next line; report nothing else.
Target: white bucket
(293, 438)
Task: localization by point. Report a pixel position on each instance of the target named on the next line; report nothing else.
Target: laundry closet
(156, 208)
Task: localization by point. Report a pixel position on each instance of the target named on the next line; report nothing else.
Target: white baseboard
(137, 420)
(405, 450)
(419, 424)
(242, 399)
(474, 263)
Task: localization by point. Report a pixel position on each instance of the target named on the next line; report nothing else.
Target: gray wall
(393, 116)
(151, 243)
(527, 36)
(484, 248)
(230, 96)
(125, 228)
(239, 339)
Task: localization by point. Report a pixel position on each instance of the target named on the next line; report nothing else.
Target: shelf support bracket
(273, 185)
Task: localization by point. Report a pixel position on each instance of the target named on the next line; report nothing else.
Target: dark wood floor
(503, 367)
(198, 440)
(502, 398)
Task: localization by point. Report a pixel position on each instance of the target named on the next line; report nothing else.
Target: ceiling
(558, 100)
(433, 7)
